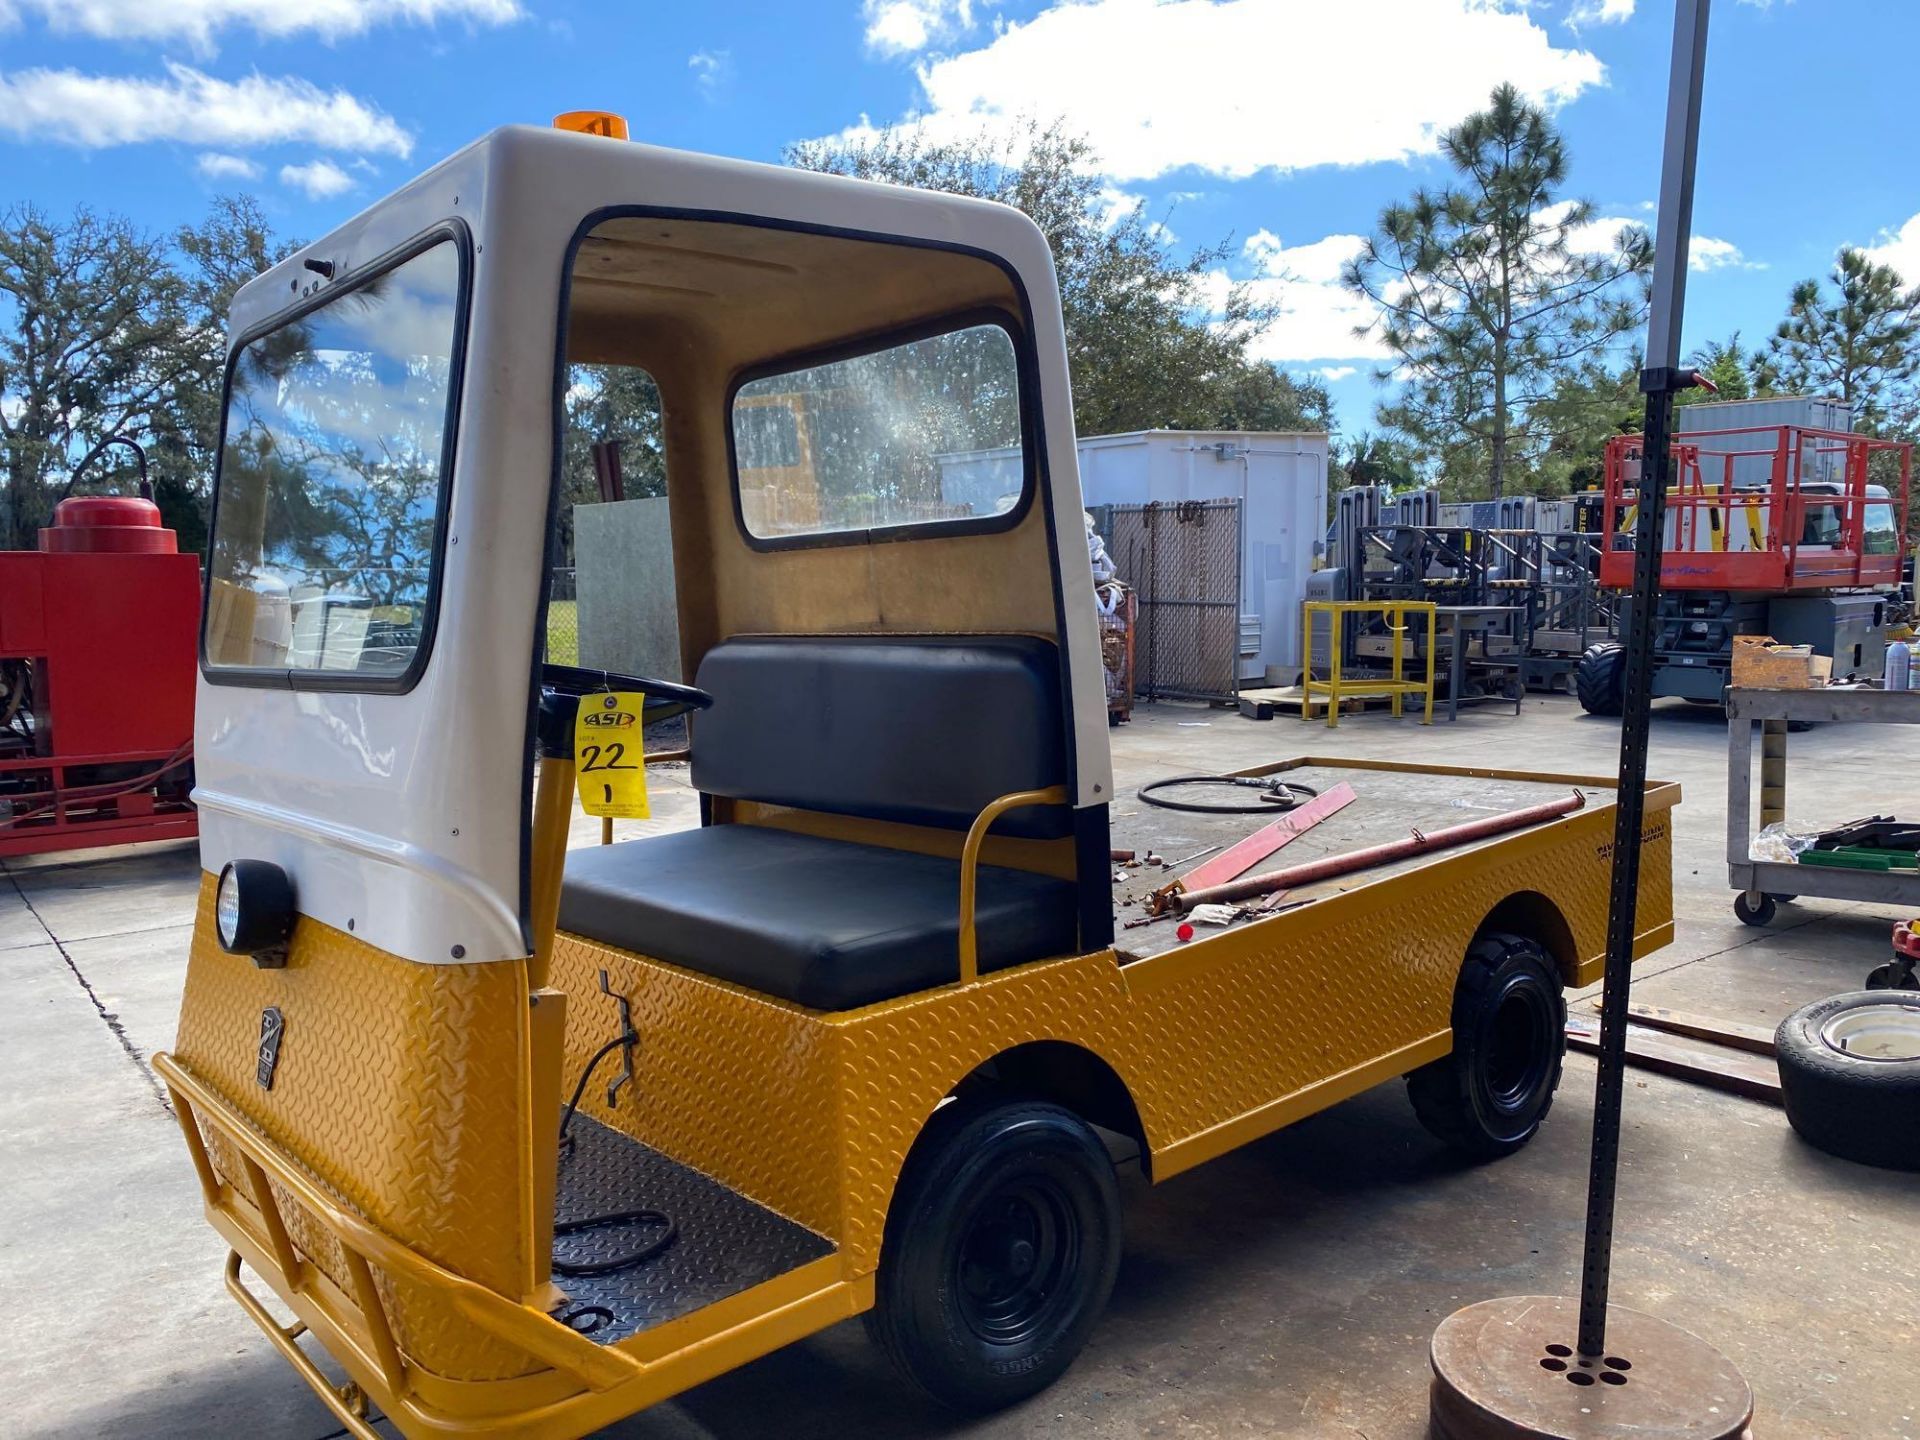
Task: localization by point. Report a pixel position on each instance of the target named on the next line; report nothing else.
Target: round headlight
(253, 909)
(226, 908)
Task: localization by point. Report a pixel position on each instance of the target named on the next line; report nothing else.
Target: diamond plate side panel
(398, 1089)
(1208, 1033)
(739, 1086)
(813, 1114)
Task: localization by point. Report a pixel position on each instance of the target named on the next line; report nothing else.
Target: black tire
(1488, 1097)
(1001, 1248)
(1749, 913)
(1854, 1105)
(1600, 679)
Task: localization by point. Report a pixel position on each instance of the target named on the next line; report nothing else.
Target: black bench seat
(824, 923)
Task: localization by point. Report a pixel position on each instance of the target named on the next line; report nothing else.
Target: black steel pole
(1659, 381)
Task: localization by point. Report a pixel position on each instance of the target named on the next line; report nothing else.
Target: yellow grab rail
(540, 1335)
(970, 864)
(347, 1402)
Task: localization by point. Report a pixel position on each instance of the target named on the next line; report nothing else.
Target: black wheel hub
(1015, 1258)
(1519, 1058)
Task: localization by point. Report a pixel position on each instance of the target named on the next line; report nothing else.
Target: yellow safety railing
(537, 1334)
(970, 865)
(1337, 686)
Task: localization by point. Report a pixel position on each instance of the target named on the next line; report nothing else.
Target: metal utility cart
(1761, 884)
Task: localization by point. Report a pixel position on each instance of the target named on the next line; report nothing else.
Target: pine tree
(1491, 292)
(1861, 344)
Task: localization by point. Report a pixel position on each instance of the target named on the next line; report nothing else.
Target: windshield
(330, 486)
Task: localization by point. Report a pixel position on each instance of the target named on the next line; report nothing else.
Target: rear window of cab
(921, 434)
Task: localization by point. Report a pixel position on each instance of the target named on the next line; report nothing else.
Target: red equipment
(98, 636)
(1766, 510)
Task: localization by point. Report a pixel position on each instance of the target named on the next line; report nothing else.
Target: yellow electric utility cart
(527, 1140)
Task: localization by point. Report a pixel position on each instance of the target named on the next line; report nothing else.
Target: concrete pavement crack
(107, 1017)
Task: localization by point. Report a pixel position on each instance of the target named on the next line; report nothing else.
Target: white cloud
(1599, 235)
(199, 21)
(321, 179)
(216, 166)
(1158, 86)
(711, 69)
(1317, 315)
(1900, 249)
(1705, 252)
(96, 111)
(1599, 12)
(1336, 373)
(902, 27)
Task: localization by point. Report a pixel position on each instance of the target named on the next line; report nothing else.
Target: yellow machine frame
(1337, 687)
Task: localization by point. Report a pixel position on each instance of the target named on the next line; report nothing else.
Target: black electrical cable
(1275, 796)
(625, 1037)
(659, 1244)
(668, 1235)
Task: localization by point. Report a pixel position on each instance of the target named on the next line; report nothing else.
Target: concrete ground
(1286, 1290)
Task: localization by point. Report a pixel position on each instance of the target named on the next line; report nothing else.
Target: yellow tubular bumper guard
(594, 1366)
(970, 866)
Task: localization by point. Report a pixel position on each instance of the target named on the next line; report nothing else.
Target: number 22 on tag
(609, 756)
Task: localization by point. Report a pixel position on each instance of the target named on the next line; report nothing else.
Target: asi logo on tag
(609, 756)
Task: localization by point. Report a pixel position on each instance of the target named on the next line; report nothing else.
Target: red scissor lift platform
(98, 639)
(1766, 510)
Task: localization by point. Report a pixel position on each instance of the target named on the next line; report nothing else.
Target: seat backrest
(922, 730)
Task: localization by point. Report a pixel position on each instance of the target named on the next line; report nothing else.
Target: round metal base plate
(1507, 1370)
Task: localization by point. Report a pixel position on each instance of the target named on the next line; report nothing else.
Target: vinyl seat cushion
(828, 924)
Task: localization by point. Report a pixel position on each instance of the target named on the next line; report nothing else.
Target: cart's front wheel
(1755, 912)
(1509, 1038)
(1000, 1252)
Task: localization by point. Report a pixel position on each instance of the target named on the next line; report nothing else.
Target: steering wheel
(665, 698)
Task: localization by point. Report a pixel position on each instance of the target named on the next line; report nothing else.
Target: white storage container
(1760, 421)
(1280, 478)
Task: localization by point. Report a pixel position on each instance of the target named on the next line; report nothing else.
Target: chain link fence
(563, 619)
(1183, 561)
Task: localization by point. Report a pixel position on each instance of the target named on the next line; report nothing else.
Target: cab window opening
(614, 602)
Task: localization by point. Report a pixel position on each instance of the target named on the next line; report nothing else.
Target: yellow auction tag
(609, 758)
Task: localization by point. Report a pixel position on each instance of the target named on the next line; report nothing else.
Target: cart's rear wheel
(1509, 1037)
(1755, 912)
(1001, 1248)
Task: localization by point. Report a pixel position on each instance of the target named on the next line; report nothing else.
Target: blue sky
(1286, 124)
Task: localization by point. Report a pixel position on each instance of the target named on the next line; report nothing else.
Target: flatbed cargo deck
(1390, 802)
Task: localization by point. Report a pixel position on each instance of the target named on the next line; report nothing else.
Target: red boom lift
(1781, 530)
(98, 633)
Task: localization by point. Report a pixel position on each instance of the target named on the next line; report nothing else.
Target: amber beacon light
(593, 122)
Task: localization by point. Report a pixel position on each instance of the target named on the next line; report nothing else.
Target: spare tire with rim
(1850, 1076)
